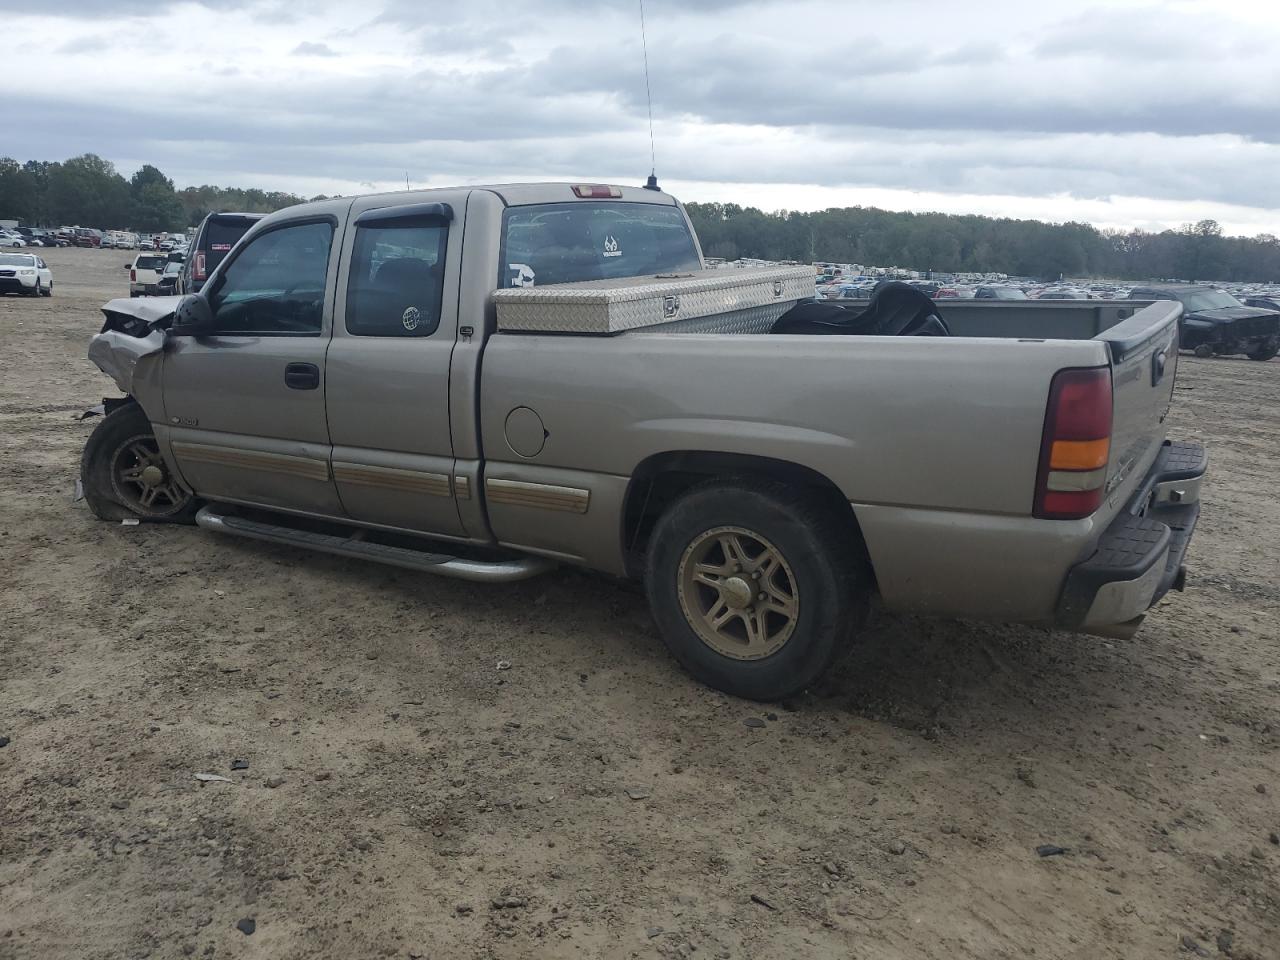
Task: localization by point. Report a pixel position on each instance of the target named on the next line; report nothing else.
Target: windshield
(1208, 300)
(16, 260)
(568, 242)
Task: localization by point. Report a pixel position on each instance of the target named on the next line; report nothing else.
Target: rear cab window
(601, 240)
(220, 237)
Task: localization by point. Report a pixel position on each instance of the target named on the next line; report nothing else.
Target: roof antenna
(652, 182)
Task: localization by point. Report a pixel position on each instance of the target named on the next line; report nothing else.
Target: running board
(484, 571)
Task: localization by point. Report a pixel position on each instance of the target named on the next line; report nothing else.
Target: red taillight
(1076, 445)
(596, 191)
(133, 276)
(197, 271)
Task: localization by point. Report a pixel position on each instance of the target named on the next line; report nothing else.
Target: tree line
(87, 191)
(970, 243)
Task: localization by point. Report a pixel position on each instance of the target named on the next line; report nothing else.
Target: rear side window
(220, 237)
(569, 242)
(397, 277)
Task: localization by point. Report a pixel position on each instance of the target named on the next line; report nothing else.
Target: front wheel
(1264, 351)
(1204, 351)
(756, 586)
(124, 475)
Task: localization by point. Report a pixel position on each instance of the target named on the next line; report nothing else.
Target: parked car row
(90, 237)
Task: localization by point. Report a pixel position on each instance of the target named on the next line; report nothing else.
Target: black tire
(1204, 351)
(1264, 352)
(108, 454)
(48, 291)
(38, 291)
(822, 559)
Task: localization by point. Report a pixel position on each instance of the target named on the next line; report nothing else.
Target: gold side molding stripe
(462, 488)
(546, 496)
(392, 478)
(307, 468)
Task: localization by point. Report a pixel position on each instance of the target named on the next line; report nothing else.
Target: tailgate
(1144, 358)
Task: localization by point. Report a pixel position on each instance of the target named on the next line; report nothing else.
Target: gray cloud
(309, 49)
(1052, 103)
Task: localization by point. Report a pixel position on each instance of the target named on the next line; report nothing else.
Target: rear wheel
(756, 588)
(1264, 352)
(124, 475)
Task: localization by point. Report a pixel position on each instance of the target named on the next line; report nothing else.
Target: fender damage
(133, 330)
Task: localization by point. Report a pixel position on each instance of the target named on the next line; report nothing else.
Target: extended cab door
(244, 407)
(387, 395)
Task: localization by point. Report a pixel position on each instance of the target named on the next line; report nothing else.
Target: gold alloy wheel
(142, 481)
(738, 593)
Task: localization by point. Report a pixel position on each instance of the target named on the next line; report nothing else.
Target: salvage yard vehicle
(1214, 323)
(144, 273)
(25, 273)
(215, 237)
(480, 382)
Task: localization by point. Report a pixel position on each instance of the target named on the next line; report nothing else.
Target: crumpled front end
(130, 347)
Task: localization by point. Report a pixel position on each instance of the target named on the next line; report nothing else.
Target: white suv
(25, 273)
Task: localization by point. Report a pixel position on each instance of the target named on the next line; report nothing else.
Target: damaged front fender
(117, 354)
(131, 344)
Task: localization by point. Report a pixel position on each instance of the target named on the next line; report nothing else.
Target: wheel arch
(661, 478)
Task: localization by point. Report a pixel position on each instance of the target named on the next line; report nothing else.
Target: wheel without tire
(756, 589)
(123, 474)
(1264, 352)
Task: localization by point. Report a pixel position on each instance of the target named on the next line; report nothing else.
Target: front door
(388, 366)
(245, 406)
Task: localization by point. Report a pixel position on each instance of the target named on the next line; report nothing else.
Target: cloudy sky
(1120, 113)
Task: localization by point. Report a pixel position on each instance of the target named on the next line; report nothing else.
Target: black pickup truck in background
(1214, 323)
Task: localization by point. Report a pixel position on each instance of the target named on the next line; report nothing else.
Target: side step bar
(495, 571)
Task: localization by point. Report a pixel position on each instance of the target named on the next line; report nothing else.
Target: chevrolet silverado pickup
(344, 382)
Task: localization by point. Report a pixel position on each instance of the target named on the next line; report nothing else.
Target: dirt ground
(404, 797)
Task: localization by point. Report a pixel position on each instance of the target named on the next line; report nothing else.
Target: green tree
(17, 193)
(154, 204)
(156, 208)
(87, 191)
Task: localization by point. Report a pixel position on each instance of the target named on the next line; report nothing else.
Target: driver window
(275, 286)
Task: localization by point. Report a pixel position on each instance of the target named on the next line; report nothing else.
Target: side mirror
(128, 266)
(192, 318)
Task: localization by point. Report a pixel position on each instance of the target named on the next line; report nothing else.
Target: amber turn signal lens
(1079, 454)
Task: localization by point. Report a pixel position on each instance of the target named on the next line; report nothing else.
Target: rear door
(244, 407)
(387, 394)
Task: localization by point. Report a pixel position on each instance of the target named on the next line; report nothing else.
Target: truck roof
(511, 194)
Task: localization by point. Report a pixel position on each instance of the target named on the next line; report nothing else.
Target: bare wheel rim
(738, 593)
(142, 481)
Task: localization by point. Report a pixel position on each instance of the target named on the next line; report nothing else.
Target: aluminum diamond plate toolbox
(650, 302)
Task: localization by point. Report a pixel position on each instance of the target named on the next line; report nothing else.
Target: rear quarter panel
(945, 424)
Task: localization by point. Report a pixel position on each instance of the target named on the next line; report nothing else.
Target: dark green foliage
(970, 243)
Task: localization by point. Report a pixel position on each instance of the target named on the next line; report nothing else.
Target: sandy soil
(405, 798)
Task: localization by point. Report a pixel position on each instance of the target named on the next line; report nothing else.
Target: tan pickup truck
(343, 383)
